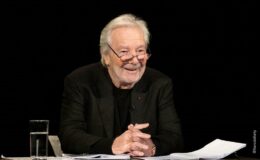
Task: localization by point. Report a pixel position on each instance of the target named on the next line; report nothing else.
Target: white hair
(125, 20)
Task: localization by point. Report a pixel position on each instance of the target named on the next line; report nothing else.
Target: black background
(208, 48)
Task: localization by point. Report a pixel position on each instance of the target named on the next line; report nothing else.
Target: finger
(141, 126)
(140, 134)
(130, 126)
(138, 146)
(131, 154)
(137, 153)
(136, 139)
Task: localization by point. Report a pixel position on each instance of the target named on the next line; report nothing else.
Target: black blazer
(87, 114)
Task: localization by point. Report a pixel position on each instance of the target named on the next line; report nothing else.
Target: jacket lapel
(138, 98)
(106, 101)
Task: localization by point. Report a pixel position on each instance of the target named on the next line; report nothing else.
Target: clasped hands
(134, 142)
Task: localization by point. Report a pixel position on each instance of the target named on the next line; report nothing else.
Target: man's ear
(107, 59)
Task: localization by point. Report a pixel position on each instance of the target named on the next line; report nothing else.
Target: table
(60, 158)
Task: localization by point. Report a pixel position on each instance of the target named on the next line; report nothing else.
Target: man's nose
(134, 59)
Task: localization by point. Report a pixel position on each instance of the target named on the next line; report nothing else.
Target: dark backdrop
(208, 48)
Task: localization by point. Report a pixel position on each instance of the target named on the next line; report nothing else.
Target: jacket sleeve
(169, 137)
(73, 125)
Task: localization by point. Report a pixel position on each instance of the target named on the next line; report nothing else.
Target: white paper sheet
(96, 156)
(156, 158)
(217, 149)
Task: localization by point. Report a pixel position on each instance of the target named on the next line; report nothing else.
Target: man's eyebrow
(127, 47)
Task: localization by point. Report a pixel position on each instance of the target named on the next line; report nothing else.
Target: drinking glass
(39, 131)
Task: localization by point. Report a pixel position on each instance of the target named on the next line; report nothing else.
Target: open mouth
(132, 67)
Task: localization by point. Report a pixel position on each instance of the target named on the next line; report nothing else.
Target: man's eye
(141, 51)
(123, 52)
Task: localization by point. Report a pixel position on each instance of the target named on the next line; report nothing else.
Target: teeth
(130, 69)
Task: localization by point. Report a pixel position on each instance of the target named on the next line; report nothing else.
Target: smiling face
(125, 74)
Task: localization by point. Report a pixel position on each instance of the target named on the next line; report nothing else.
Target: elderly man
(120, 105)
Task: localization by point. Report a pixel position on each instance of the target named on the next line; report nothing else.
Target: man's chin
(131, 80)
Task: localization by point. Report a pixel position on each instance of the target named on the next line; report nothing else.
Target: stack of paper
(217, 149)
(96, 156)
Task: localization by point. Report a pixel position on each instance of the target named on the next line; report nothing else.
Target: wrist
(153, 150)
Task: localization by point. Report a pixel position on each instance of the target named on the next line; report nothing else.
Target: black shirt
(122, 107)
